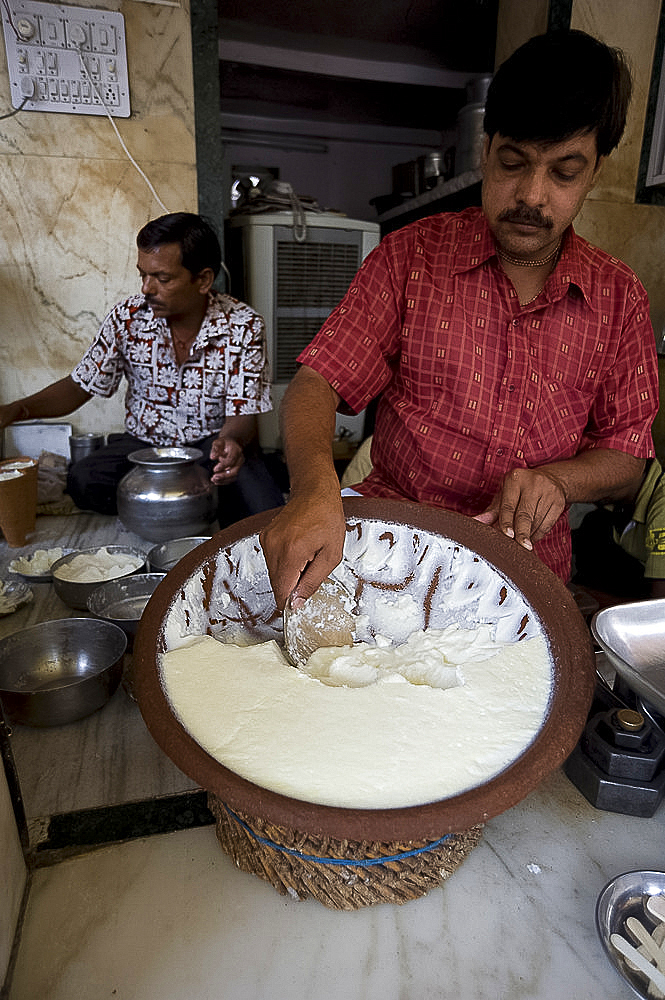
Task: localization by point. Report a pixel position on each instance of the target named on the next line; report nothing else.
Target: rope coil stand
(341, 874)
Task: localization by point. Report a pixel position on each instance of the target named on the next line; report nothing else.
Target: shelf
(433, 200)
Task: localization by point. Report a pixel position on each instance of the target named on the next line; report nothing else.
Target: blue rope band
(368, 863)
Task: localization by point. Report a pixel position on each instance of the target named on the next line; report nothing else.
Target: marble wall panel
(161, 93)
(516, 23)
(636, 235)
(72, 203)
(610, 218)
(633, 27)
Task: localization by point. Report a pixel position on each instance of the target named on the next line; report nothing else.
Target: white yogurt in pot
(364, 726)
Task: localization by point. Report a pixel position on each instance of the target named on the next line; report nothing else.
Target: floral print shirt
(225, 374)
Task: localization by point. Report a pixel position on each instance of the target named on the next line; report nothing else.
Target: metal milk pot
(167, 495)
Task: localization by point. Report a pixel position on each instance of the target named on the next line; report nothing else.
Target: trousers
(92, 482)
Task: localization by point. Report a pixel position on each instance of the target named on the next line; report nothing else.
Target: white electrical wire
(9, 18)
(129, 155)
(120, 139)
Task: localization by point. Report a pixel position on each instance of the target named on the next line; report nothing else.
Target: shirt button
(511, 388)
(516, 322)
(499, 451)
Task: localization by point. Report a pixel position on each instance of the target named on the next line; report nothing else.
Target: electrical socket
(103, 39)
(58, 48)
(111, 95)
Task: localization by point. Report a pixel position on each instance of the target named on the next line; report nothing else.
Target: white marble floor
(170, 918)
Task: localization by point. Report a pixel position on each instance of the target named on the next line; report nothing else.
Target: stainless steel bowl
(162, 558)
(60, 671)
(75, 594)
(122, 601)
(624, 897)
(13, 595)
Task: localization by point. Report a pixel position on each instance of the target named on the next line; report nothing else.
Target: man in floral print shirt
(195, 365)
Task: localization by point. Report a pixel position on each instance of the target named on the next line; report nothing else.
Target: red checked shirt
(225, 374)
(472, 383)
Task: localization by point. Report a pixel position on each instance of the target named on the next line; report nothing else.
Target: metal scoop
(323, 620)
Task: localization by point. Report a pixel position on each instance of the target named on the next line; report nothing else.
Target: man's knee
(93, 481)
(88, 493)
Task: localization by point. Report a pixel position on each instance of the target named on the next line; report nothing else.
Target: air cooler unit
(294, 284)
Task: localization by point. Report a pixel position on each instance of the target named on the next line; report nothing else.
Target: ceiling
(456, 34)
(332, 46)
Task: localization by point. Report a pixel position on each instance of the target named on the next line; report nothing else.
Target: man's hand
(530, 501)
(228, 455)
(302, 545)
(528, 505)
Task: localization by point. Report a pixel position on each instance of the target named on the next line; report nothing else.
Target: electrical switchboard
(66, 59)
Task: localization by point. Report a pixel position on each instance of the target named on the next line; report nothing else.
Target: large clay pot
(468, 571)
(167, 495)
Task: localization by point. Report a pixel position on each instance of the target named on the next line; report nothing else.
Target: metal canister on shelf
(470, 131)
(81, 445)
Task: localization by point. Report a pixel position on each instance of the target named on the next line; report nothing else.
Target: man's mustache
(526, 217)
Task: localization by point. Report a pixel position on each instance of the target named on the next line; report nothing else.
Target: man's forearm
(305, 540)
(242, 429)
(530, 501)
(307, 419)
(598, 475)
(55, 400)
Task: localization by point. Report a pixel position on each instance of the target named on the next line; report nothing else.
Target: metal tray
(35, 577)
(633, 639)
(623, 897)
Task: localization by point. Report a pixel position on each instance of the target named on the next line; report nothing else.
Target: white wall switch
(67, 59)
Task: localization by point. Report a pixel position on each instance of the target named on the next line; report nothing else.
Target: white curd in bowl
(98, 566)
(369, 726)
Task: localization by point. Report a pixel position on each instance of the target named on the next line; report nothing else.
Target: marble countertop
(109, 758)
(170, 916)
(516, 920)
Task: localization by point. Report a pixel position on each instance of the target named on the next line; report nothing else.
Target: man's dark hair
(558, 85)
(199, 246)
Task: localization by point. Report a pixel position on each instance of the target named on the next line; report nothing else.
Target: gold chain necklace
(529, 263)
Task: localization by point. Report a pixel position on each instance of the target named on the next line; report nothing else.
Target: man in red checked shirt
(515, 363)
(195, 365)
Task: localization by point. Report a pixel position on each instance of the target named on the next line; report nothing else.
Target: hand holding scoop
(325, 619)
